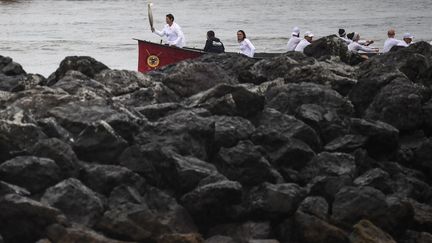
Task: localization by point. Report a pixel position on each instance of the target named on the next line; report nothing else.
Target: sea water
(39, 34)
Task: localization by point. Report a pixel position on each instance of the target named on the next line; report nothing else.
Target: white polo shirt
(301, 45)
(389, 43)
(174, 35)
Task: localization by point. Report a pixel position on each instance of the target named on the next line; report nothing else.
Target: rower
(305, 42)
(294, 40)
(391, 41)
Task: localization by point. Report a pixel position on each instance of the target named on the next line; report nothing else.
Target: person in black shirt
(213, 44)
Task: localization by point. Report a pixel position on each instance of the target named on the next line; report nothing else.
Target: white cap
(295, 31)
(408, 36)
(308, 34)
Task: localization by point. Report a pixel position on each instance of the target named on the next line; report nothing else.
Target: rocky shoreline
(223, 148)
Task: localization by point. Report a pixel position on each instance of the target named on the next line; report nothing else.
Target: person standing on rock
(294, 40)
(391, 41)
(172, 31)
(355, 46)
(308, 36)
(246, 47)
(213, 44)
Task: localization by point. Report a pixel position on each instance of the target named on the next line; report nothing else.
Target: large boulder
(328, 46)
(84, 64)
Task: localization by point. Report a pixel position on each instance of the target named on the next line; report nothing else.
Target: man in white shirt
(391, 41)
(294, 40)
(355, 47)
(305, 42)
(172, 31)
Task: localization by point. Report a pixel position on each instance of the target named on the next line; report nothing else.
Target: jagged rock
(382, 138)
(23, 219)
(33, 173)
(230, 100)
(231, 129)
(274, 127)
(328, 164)
(244, 163)
(243, 232)
(326, 122)
(316, 206)
(60, 152)
(352, 204)
(366, 232)
(328, 186)
(190, 77)
(155, 111)
(59, 233)
(328, 46)
(77, 84)
(147, 217)
(376, 178)
(399, 104)
(303, 227)
(84, 64)
(6, 188)
(371, 79)
(269, 200)
(120, 82)
(346, 144)
(79, 203)
(77, 116)
(422, 216)
(288, 98)
(204, 203)
(52, 129)
(99, 142)
(103, 178)
(416, 237)
(154, 94)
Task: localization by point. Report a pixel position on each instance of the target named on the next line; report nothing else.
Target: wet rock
(231, 129)
(352, 204)
(347, 143)
(376, 178)
(229, 100)
(316, 206)
(244, 163)
(191, 77)
(120, 82)
(6, 188)
(287, 99)
(328, 46)
(303, 227)
(60, 152)
(85, 208)
(23, 219)
(329, 164)
(275, 201)
(60, 233)
(99, 142)
(204, 203)
(33, 173)
(103, 178)
(365, 231)
(274, 127)
(155, 111)
(84, 64)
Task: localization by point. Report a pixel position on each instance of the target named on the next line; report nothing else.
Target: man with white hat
(305, 42)
(294, 40)
(407, 40)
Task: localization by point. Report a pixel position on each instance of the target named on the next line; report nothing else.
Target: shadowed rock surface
(295, 148)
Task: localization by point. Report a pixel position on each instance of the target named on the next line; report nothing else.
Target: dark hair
(342, 32)
(210, 33)
(170, 16)
(244, 34)
(350, 35)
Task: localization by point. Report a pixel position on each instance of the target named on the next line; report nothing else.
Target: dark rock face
(223, 148)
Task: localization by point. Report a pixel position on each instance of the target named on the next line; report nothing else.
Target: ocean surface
(39, 34)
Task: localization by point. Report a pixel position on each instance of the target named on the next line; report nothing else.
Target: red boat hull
(152, 56)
